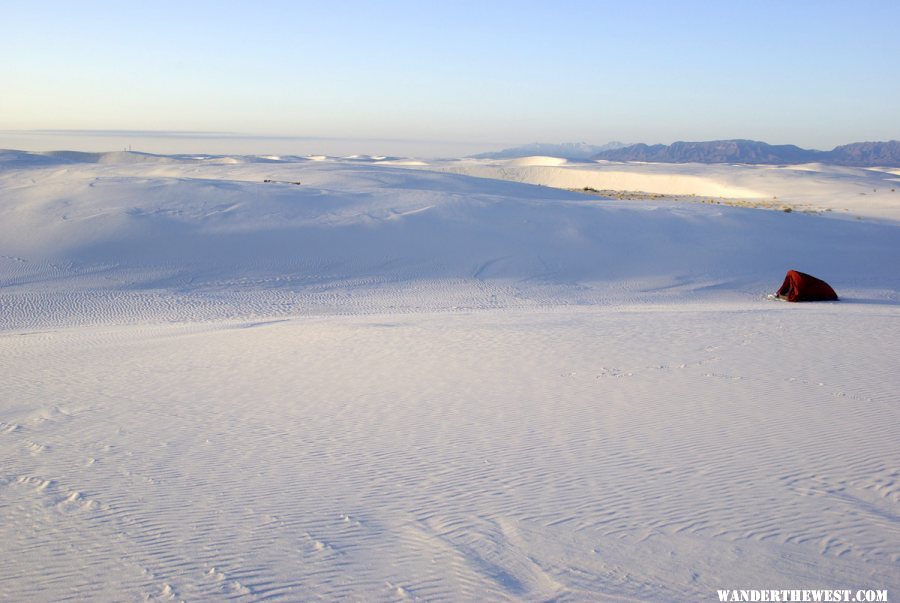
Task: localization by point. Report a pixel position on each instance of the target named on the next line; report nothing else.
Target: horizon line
(213, 134)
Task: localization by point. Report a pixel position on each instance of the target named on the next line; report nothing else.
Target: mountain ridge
(566, 150)
(856, 154)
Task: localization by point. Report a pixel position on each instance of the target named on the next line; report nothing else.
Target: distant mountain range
(860, 154)
(567, 150)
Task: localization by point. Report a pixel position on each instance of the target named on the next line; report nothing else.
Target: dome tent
(801, 287)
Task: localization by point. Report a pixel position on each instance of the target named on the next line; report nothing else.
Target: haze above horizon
(449, 78)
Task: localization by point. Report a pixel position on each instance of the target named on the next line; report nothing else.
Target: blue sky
(486, 74)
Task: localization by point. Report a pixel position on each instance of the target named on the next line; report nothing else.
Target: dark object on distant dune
(801, 287)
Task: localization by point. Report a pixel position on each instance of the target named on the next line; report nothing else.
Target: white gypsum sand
(391, 383)
(868, 193)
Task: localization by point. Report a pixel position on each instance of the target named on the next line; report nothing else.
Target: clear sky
(483, 74)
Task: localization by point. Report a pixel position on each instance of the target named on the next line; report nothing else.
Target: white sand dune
(391, 382)
(249, 237)
(863, 192)
(537, 160)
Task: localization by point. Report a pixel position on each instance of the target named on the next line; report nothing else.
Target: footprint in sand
(35, 448)
(9, 427)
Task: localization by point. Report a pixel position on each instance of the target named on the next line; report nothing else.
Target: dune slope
(244, 237)
(393, 383)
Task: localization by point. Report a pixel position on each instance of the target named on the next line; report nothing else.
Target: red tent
(800, 287)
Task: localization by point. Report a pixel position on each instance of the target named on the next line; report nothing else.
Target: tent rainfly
(800, 287)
